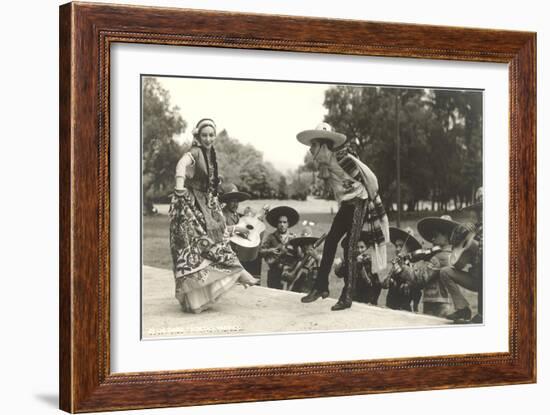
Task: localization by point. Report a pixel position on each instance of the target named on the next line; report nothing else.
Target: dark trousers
(253, 267)
(349, 214)
(274, 275)
(365, 292)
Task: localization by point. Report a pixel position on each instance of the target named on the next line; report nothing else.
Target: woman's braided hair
(214, 178)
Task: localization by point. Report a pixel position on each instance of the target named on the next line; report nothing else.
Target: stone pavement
(259, 310)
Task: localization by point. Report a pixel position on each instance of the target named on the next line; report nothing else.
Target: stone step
(257, 310)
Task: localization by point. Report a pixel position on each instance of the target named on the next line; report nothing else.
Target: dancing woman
(205, 267)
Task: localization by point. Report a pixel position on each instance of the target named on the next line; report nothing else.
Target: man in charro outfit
(472, 278)
(436, 290)
(355, 187)
(274, 248)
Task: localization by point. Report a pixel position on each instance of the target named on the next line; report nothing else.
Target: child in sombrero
(438, 231)
(400, 282)
(304, 278)
(367, 283)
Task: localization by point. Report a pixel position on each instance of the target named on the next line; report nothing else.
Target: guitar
(465, 249)
(282, 251)
(247, 246)
(293, 275)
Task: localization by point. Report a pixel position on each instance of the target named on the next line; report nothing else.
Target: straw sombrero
(428, 226)
(411, 243)
(322, 131)
(231, 192)
(272, 217)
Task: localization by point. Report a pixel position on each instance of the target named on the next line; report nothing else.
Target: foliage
(440, 135)
(243, 165)
(161, 122)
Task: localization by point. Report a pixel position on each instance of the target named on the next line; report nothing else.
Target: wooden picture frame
(87, 32)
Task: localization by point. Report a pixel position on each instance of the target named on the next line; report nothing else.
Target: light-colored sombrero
(231, 192)
(322, 131)
(272, 217)
(428, 226)
(411, 243)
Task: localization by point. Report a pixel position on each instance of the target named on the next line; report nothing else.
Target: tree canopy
(440, 152)
(440, 139)
(160, 152)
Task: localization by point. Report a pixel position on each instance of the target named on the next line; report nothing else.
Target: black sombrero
(305, 238)
(231, 192)
(363, 237)
(411, 243)
(274, 214)
(427, 226)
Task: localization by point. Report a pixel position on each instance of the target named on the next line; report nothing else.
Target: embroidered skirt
(205, 266)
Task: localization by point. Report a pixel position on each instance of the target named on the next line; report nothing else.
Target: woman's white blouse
(184, 168)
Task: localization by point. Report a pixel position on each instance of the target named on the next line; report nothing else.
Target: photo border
(86, 33)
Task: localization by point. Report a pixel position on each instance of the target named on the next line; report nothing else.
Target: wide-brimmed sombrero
(322, 131)
(272, 217)
(231, 192)
(305, 238)
(478, 204)
(428, 226)
(410, 242)
(363, 237)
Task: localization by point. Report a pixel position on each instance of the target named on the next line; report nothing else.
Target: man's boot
(345, 299)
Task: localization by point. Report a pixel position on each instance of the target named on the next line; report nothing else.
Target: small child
(400, 282)
(302, 274)
(367, 283)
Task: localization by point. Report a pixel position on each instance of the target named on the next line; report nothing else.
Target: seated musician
(367, 283)
(436, 301)
(274, 247)
(231, 197)
(470, 275)
(301, 277)
(400, 282)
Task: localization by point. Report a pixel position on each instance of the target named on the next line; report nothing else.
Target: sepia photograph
(281, 207)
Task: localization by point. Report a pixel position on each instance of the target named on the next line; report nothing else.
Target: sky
(266, 114)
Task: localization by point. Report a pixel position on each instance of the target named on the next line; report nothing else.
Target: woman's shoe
(247, 280)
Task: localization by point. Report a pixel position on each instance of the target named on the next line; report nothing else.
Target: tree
(282, 188)
(243, 165)
(161, 122)
(440, 139)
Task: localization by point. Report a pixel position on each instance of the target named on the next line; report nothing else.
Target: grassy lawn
(156, 248)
